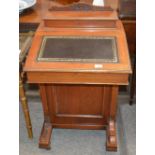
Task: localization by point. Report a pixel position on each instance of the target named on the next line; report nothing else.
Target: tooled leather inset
(78, 49)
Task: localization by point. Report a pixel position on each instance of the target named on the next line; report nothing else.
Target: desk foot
(44, 141)
(111, 142)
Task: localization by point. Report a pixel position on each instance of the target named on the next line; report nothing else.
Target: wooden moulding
(79, 23)
(77, 78)
(80, 126)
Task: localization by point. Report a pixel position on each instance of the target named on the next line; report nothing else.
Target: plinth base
(111, 141)
(90, 107)
(45, 137)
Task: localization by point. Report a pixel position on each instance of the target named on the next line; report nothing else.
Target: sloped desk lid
(79, 50)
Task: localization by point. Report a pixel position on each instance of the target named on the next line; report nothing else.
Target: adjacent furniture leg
(133, 83)
(111, 144)
(25, 108)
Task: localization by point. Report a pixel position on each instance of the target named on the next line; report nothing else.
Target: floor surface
(78, 142)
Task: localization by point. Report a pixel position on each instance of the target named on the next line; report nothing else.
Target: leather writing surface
(82, 49)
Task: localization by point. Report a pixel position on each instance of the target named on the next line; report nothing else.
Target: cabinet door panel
(78, 103)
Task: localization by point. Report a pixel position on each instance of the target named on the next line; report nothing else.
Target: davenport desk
(79, 59)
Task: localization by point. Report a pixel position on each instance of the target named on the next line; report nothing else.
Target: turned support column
(25, 108)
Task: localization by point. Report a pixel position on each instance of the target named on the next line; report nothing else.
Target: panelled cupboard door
(78, 104)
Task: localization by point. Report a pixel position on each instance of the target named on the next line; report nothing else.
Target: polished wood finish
(45, 137)
(85, 78)
(77, 19)
(44, 141)
(35, 14)
(76, 94)
(30, 19)
(117, 68)
(66, 2)
(81, 107)
(111, 143)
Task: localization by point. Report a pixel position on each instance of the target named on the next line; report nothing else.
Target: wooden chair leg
(25, 108)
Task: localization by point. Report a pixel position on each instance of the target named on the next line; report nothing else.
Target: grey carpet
(76, 142)
(128, 117)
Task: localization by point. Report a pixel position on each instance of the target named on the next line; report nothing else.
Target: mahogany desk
(79, 59)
